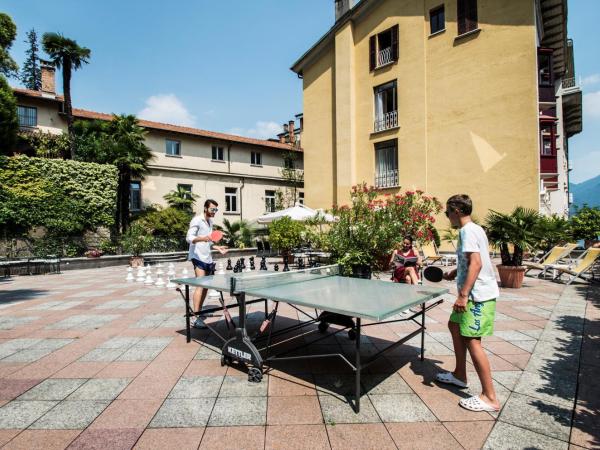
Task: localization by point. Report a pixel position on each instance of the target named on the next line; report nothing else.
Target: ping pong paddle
(216, 235)
(433, 274)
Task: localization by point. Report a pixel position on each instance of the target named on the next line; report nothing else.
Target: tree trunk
(66, 73)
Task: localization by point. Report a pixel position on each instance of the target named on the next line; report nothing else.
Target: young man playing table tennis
(200, 240)
(475, 306)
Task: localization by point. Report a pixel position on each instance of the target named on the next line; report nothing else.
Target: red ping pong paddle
(433, 274)
(216, 236)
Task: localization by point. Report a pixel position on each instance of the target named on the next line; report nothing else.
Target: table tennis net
(248, 283)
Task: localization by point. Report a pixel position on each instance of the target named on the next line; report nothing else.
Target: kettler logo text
(239, 353)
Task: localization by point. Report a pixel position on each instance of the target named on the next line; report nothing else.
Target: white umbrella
(297, 212)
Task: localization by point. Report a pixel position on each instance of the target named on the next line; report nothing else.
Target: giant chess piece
(252, 266)
(243, 261)
(263, 263)
(276, 267)
(286, 268)
(301, 263)
(220, 270)
(229, 264)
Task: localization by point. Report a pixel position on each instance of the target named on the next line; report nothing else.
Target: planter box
(511, 276)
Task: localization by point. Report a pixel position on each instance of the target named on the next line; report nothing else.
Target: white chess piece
(141, 276)
(184, 272)
(220, 269)
(159, 270)
(159, 282)
(148, 280)
(171, 266)
(171, 272)
(170, 284)
(130, 276)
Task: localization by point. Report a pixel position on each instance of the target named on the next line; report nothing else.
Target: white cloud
(167, 108)
(591, 105)
(585, 166)
(261, 130)
(590, 80)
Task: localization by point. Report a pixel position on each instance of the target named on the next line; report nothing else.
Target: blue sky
(224, 65)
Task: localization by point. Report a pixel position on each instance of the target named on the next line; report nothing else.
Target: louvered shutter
(472, 15)
(395, 43)
(461, 16)
(372, 53)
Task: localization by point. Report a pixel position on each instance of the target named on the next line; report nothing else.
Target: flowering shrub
(370, 227)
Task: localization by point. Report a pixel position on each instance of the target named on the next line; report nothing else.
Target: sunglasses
(213, 210)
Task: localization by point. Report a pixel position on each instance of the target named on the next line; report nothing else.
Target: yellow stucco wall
(467, 108)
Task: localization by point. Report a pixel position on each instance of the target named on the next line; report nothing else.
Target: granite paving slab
(197, 387)
(235, 411)
(21, 414)
(180, 413)
(100, 389)
(53, 389)
(71, 415)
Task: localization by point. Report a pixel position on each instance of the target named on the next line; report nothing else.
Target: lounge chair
(582, 268)
(430, 254)
(550, 258)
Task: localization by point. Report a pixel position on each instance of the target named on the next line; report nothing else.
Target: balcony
(384, 57)
(387, 121)
(386, 179)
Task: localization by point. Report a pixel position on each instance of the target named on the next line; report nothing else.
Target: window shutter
(395, 42)
(461, 17)
(472, 15)
(372, 53)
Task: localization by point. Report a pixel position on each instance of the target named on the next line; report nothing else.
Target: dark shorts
(208, 268)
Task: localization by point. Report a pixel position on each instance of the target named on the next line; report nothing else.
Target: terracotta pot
(511, 276)
(136, 261)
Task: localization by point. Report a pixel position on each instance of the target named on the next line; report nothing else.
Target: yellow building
(445, 96)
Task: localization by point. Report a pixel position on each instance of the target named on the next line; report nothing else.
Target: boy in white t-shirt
(475, 307)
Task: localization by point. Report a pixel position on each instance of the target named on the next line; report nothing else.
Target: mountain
(586, 192)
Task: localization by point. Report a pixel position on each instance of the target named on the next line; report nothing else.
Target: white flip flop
(476, 404)
(449, 378)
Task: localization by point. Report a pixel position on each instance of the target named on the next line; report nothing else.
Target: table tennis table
(335, 299)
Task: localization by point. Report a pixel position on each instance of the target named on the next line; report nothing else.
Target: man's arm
(191, 237)
(474, 267)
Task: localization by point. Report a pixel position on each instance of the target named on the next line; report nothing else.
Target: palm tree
(131, 156)
(65, 53)
(518, 228)
(236, 233)
(181, 199)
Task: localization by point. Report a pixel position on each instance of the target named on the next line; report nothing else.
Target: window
(545, 72)
(386, 164)
(437, 19)
(27, 116)
(269, 201)
(187, 188)
(230, 199)
(383, 48)
(301, 198)
(135, 196)
(386, 107)
(466, 16)
(217, 153)
(288, 162)
(173, 148)
(256, 159)
(548, 139)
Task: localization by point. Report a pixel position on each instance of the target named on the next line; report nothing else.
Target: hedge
(67, 197)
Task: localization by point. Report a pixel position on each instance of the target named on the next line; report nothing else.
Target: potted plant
(286, 234)
(136, 241)
(519, 230)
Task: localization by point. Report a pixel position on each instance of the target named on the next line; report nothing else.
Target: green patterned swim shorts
(477, 320)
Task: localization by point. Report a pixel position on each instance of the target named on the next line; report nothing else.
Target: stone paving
(90, 361)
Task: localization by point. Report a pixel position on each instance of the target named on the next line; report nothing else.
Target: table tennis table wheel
(254, 375)
(351, 334)
(225, 360)
(323, 327)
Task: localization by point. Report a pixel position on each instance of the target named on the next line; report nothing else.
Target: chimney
(48, 78)
(342, 7)
(291, 132)
(282, 138)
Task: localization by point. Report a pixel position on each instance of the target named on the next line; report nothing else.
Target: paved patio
(89, 361)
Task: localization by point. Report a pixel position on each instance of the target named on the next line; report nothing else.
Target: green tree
(8, 32)
(9, 121)
(181, 198)
(237, 234)
(294, 180)
(585, 224)
(286, 234)
(31, 73)
(67, 55)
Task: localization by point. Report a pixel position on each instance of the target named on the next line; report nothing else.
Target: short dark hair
(408, 238)
(462, 203)
(209, 202)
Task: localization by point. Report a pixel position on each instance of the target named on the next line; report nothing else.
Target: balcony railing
(387, 121)
(386, 179)
(568, 83)
(384, 57)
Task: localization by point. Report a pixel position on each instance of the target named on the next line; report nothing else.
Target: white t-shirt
(472, 239)
(200, 250)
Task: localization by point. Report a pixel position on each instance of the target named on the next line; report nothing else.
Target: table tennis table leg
(358, 367)
(188, 328)
(422, 331)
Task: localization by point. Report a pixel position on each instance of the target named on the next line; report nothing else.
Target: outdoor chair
(260, 249)
(430, 254)
(582, 267)
(551, 257)
(267, 249)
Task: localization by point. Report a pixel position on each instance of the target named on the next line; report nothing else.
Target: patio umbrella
(298, 212)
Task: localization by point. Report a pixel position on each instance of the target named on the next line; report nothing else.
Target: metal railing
(387, 121)
(386, 179)
(568, 83)
(384, 57)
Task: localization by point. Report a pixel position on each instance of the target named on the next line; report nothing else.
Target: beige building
(449, 96)
(241, 174)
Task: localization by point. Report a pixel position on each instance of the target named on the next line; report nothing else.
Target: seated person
(406, 261)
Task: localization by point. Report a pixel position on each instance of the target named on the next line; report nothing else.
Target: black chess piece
(276, 267)
(286, 268)
(263, 263)
(243, 265)
(301, 263)
(252, 266)
(229, 267)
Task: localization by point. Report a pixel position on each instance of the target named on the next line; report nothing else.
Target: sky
(224, 65)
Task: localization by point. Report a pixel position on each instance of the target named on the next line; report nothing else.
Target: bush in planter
(136, 240)
(368, 230)
(552, 231)
(585, 224)
(286, 234)
(519, 228)
(168, 222)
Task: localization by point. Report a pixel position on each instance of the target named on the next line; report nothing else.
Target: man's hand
(450, 275)
(460, 305)
(221, 249)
